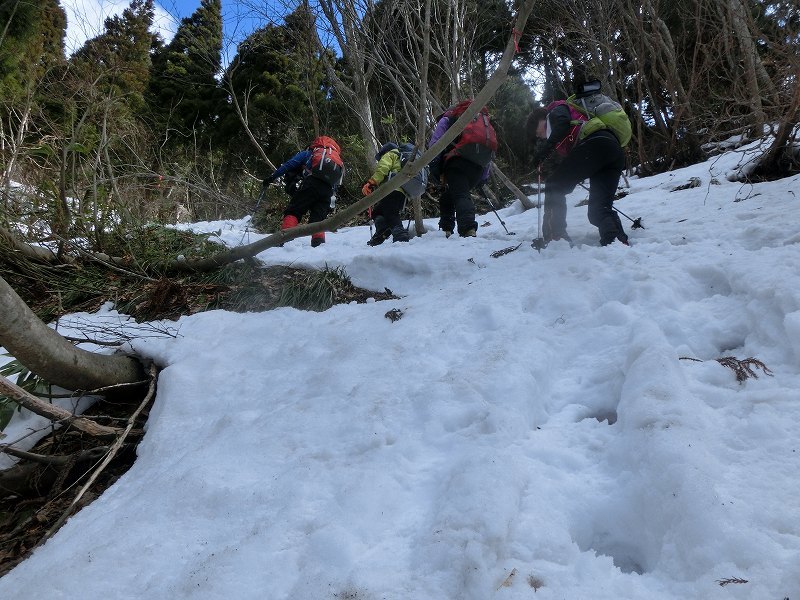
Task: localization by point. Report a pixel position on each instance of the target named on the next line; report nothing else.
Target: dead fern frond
(504, 251)
(744, 368)
(394, 315)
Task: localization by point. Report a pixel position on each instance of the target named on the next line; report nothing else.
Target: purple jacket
(443, 125)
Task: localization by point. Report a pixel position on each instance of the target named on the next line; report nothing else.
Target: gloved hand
(541, 153)
(268, 180)
(369, 187)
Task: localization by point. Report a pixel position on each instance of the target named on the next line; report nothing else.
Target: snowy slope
(558, 416)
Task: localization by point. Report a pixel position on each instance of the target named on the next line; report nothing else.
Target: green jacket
(388, 166)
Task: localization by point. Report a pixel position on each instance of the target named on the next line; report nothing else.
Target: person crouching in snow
(597, 156)
(387, 211)
(321, 168)
(462, 166)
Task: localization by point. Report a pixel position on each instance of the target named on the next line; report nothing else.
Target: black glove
(268, 180)
(543, 150)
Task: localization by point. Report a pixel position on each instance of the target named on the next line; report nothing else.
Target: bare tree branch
(405, 174)
(53, 412)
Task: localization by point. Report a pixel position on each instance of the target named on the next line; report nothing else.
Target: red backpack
(478, 142)
(326, 160)
(577, 119)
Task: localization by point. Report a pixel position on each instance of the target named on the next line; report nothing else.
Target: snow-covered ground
(550, 426)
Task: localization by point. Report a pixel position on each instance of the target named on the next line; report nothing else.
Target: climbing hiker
(387, 212)
(587, 131)
(463, 165)
(319, 170)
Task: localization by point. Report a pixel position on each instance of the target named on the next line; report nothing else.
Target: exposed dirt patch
(34, 495)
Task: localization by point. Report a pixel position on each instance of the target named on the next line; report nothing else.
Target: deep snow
(558, 416)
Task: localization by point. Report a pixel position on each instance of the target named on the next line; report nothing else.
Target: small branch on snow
(52, 412)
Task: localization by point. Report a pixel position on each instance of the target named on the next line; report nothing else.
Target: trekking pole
(260, 197)
(637, 222)
(538, 243)
(255, 209)
(486, 197)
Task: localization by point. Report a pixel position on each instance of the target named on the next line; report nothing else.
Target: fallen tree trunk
(47, 354)
(527, 203)
(405, 174)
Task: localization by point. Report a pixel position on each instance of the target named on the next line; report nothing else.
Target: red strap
(517, 34)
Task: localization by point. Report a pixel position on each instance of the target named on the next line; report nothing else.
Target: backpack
(601, 112)
(478, 142)
(326, 160)
(417, 185)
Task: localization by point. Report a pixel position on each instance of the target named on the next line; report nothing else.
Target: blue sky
(85, 17)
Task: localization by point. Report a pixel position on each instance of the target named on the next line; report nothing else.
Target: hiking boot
(620, 239)
(470, 233)
(447, 233)
(400, 234)
(379, 237)
(557, 237)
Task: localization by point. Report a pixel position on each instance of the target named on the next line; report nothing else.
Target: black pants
(390, 208)
(455, 203)
(313, 197)
(600, 159)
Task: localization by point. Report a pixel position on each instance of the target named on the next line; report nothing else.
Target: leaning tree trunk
(404, 175)
(54, 359)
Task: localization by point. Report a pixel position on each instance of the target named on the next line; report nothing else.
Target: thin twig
(86, 340)
(724, 582)
(109, 457)
(39, 458)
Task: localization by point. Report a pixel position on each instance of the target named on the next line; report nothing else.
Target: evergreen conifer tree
(183, 90)
(119, 58)
(31, 42)
(31, 47)
(275, 76)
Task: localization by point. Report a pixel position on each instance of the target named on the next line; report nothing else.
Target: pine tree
(183, 91)
(276, 78)
(31, 47)
(118, 59)
(31, 42)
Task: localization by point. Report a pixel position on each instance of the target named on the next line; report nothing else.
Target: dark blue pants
(455, 203)
(390, 208)
(313, 197)
(600, 159)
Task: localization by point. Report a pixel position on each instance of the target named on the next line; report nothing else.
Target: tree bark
(53, 412)
(342, 17)
(44, 352)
